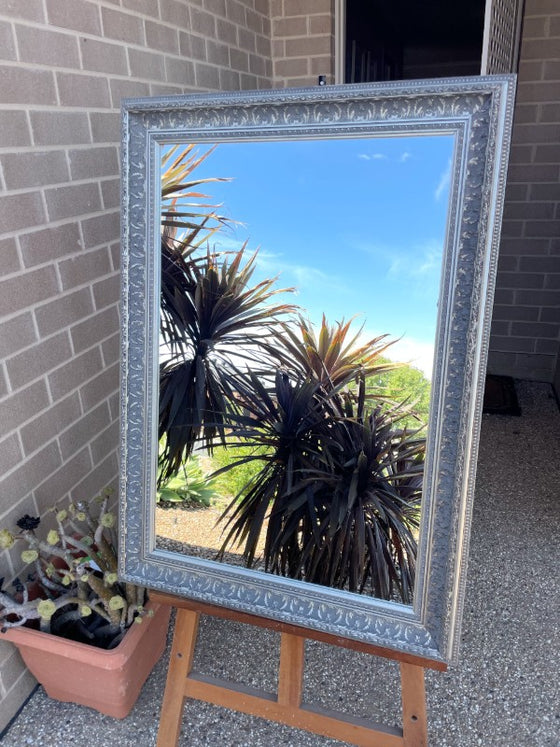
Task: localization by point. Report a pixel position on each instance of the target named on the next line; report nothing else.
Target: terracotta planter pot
(108, 681)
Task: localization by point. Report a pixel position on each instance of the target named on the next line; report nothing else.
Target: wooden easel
(285, 707)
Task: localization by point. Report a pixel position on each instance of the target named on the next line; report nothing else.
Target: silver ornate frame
(478, 112)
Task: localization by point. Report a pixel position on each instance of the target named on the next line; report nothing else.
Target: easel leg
(290, 674)
(415, 724)
(180, 663)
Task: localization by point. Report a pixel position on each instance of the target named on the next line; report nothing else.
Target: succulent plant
(73, 589)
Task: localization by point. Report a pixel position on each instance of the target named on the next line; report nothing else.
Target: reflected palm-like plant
(214, 328)
(338, 496)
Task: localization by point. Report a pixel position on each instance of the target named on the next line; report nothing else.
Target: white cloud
(403, 158)
(444, 182)
(373, 156)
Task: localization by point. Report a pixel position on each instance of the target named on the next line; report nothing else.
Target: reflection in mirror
(299, 291)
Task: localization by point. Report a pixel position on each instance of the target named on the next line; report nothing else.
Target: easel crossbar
(322, 721)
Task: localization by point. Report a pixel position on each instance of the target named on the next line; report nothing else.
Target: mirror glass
(300, 282)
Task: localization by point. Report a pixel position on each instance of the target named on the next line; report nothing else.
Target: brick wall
(302, 41)
(526, 321)
(64, 67)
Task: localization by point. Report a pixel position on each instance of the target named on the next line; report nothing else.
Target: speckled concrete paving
(504, 693)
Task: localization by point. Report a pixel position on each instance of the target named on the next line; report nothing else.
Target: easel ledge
(286, 706)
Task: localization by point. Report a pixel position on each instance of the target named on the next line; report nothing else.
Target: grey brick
(105, 127)
(124, 27)
(83, 90)
(69, 202)
(176, 13)
(203, 23)
(47, 47)
(540, 264)
(17, 333)
(217, 7)
(530, 70)
(147, 7)
(516, 192)
(148, 65)
(503, 297)
(547, 153)
(545, 192)
(512, 344)
(534, 329)
(226, 32)
(553, 281)
(217, 53)
(3, 383)
(80, 16)
(73, 375)
(32, 10)
(536, 228)
(64, 311)
(7, 44)
(550, 314)
(537, 133)
(84, 268)
(528, 210)
(111, 349)
(26, 289)
(35, 169)
(39, 360)
(50, 423)
(10, 454)
(550, 112)
(239, 60)
(516, 313)
(126, 89)
(60, 128)
(91, 162)
(39, 247)
(111, 193)
(229, 80)
(105, 443)
(207, 77)
(21, 211)
(537, 297)
(179, 71)
(14, 128)
(22, 405)
(551, 69)
(99, 388)
(63, 480)
(107, 291)
(9, 259)
(247, 40)
(308, 46)
(533, 172)
(33, 471)
(164, 38)
(548, 347)
(523, 246)
(115, 250)
(540, 49)
(83, 430)
(101, 476)
(236, 12)
(21, 85)
(94, 329)
(101, 229)
(103, 57)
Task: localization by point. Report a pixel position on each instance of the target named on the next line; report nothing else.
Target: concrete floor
(504, 693)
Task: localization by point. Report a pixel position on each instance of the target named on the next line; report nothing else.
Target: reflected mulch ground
(196, 530)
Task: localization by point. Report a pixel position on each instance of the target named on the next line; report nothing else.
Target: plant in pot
(85, 636)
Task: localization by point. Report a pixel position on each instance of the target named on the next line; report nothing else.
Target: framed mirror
(306, 298)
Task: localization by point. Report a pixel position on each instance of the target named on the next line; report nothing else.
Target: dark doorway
(406, 39)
